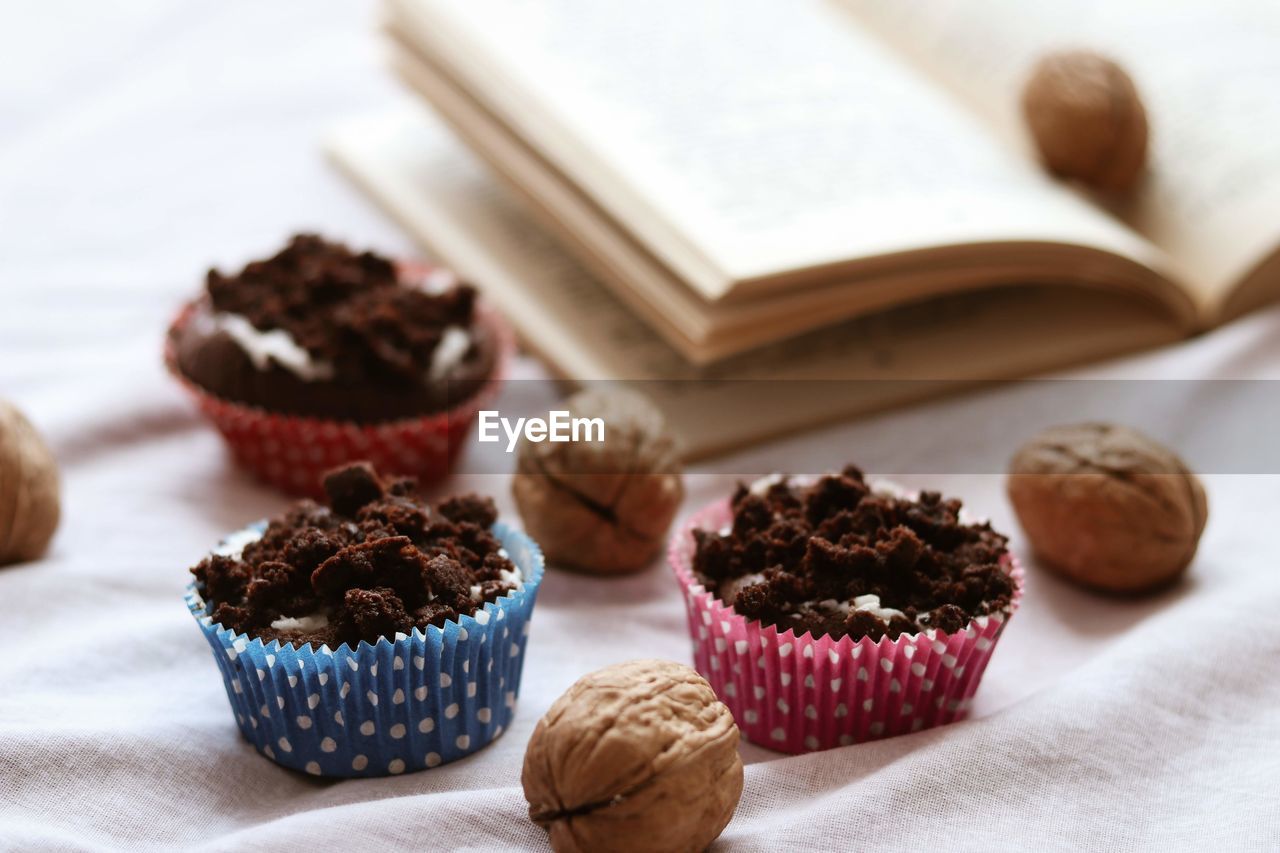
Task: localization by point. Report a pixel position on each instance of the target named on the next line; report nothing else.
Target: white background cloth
(143, 142)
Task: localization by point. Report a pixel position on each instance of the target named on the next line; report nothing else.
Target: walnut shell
(29, 507)
(1107, 507)
(602, 507)
(637, 756)
(1087, 119)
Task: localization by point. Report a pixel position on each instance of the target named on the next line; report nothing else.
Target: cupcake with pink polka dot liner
(374, 636)
(835, 610)
(320, 355)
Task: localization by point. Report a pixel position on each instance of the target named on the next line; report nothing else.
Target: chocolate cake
(319, 330)
(838, 557)
(377, 562)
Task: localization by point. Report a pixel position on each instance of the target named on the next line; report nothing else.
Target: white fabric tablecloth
(142, 142)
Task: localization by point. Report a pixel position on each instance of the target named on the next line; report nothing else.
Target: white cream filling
(512, 576)
(762, 486)
(279, 346)
(449, 353)
(861, 604)
(310, 622)
(871, 604)
(456, 340)
(437, 281)
(276, 345)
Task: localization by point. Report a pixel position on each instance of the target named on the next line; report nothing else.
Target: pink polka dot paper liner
(292, 453)
(377, 710)
(799, 694)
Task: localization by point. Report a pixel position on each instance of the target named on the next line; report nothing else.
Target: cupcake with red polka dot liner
(321, 355)
(374, 636)
(831, 611)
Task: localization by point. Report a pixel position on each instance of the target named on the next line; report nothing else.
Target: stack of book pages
(835, 197)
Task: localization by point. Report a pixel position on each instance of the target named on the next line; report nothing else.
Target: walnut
(1087, 119)
(638, 756)
(602, 507)
(28, 489)
(1107, 507)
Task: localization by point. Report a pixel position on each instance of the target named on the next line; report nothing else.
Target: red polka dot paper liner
(395, 707)
(799, 694)
(292, 453)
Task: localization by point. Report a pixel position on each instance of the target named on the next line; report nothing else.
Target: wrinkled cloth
(143, 142)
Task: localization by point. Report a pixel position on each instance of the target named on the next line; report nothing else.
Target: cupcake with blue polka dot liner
(374, 636)
(831, 611)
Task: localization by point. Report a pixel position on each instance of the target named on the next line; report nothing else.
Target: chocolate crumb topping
(836, 558)
(374, 563)
(347, 309)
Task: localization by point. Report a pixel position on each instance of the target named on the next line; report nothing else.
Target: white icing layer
(310, 622)
(511, 576)
(449, 352)
(438, 281)
(279, 346)
(862, 604)
(871, 604)
(276, 345)
(764, 484)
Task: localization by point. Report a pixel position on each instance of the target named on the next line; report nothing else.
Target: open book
(743, 170)
(477, 225)
(736, 172)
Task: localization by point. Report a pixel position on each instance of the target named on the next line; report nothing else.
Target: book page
(743, 139)
(1208, 72)
(470, 221)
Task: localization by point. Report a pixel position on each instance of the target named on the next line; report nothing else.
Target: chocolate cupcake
(831, 611)
(374, 635)
(319, 355)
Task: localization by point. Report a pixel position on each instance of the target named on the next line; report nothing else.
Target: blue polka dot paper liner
(398, 706)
